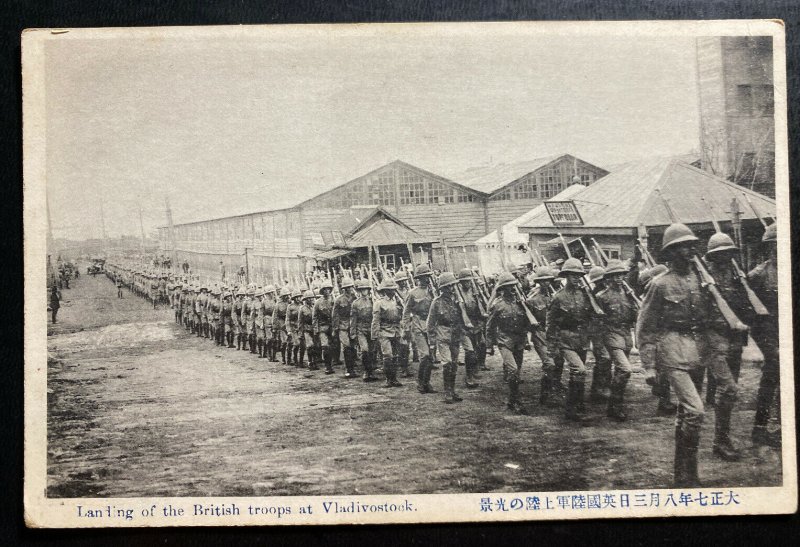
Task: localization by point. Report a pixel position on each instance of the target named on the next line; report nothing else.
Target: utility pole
(141, 226)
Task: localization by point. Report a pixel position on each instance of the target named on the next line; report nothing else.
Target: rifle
(600, 252)
(462, 306)
(584, 283)
(707, 281)
(369, 272)
(446, 251)
(646, 256)
(755, 302)
(528, 313)
(636, 300)
(755, 211)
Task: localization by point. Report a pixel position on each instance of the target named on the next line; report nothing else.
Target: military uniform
(270, 333)
(507, 328)
(321, 320)
(474, 341)
(279, 322)
(538, 302)
(764, 282)
(340, 318)
(445, 328)
(360, 328)
(415, 313)
(386, 330)
(294, 340)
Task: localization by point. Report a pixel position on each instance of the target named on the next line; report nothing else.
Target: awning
(331, 254)
(556, 241)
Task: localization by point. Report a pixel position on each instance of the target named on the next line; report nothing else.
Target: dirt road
(138, 407)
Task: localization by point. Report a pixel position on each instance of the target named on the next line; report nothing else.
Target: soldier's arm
(491, 326)
(433, 318)
(315, 319)
(406, 318)
(552, 319)
(649, 315)
(353, 321)
(335, 311)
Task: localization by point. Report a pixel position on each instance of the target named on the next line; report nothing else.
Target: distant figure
(55, 302)
(185, 267)
(119, 286)
(221, 271)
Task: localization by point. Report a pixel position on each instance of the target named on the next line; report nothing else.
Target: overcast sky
(230, 126)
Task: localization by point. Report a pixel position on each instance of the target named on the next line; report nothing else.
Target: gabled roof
(380, 228)
(629, 197)
(490, 179)
(511, 233)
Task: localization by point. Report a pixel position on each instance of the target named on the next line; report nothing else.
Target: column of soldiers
(560, 310)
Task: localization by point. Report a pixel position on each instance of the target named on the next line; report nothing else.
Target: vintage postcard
(406, 273)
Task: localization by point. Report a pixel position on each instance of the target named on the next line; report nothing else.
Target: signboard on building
(316, 239)
(563, 213)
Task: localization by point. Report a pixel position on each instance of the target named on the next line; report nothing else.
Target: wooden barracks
(413, 206)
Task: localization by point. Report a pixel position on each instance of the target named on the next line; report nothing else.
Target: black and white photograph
(398, 273)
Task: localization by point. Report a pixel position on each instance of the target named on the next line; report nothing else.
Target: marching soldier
(672, 326)
(258, 321)
(342, 308)
(54, 302)
(238, 319)
(270, 334)
(538, 302)
(445, 327)
(507, 328)
(568, 323)
(323, 309)
(293, 328)
(724, 346)
(602, 370)
(385, 328)
(415, 313)
(279, 322)
(226, 318)
(764, 281)
(214, 307)
(305, 322)
(660, 382)
(475, 345)
(248, 317)
(620, 317)
(404, 348)
(360, 327)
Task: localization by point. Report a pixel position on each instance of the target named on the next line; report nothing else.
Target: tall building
(736, 102)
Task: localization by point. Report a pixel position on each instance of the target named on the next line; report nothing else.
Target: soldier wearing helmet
(361, 325)
(507, 328)
(226, 317)
(568, 324)
(293, 338)
(270, 335)
(620, 317)
(672, 325)
(206, 313)
(248, 318)
(445, 328)
(538, 302)
(341, 325)
(306, 330)
(764, 281)
(238, 321)
(602, 370)
(385, 328)
(724, 347)
(415, 314)
(404, 343)
(475, 343)
(323, 329)
(258, 321)
(214, 309)
(279, 322)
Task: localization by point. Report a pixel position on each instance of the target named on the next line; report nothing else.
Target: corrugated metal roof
(628, 198)
(385, 232)
(490, 178)
(511, 234)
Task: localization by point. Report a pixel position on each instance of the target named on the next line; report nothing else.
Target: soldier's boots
(390, 371)
(296, 355)
(252, 339)
(449, 380)
(666, 407)
(273, 350)
(424, 376)
(601, 381)
(575, 408)
(615, 401)
(349, 362)
(687, 439)
(328, 358)
(711, 390)
(260, 346)
(366, 362)
(238, 341)
(724, 447)
(300, 356)
(471, 364)
(763, 437)
(289, 354)
(312, 358)
(283, 353)
(513, 398)
(230, 339)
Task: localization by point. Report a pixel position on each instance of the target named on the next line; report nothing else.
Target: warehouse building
(436, 211)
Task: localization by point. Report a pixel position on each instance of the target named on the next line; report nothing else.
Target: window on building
(380, 190)
(551, 181)
(412, 188)
(526, 188)
(505, 195)
(463, 197)
(388, 261)
(440, 193)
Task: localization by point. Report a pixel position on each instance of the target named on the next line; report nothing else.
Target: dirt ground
(138, 407)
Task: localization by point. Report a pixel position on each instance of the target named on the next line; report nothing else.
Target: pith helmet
(720, 242)
(296, 293)
(614, 266)
(387, 285)
(543, 273)
(648, 275)
(308, 295)
(362, 284)
(446, 279)
(401, 276)
(677, 233)
(771, 233)
(347, 282)
(422, 270)
(505, 279)
(572, 265)
(596, 273)
(286, 291)
(325, 285)
(270, 289)
(464, 274)
(240, 292)
(259, 292)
